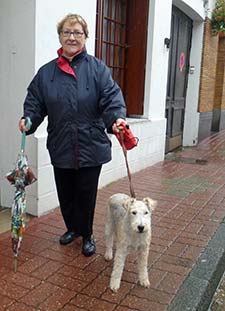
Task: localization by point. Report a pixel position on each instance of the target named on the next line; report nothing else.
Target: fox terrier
(129, 220)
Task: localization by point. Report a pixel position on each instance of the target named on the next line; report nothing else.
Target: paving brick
(21, 280)
(194, 242)
(171, 283)
(68, 282)
(12, 291)
(77, 273)
(57, 300)
(176, 248)
(57, 256)
(125, 309)
(158, 248)
(5, 302)
(152, 294)
(98, 264)
(20, 307)
(159, 241)
(142, 304)
(91, 303)
(72, 249)
(69, 307)
(168, 267)
(177, 260)
(47, 269)
(97, 287)
(5, 271)
(6, 261)
(39, 294)
(36, 247)
(82, 262)
(155, 277)
(32, 264)
(198, 236)
(192, 252)
(110, 296)
(170, 234)
(45, 235)
(5, 238)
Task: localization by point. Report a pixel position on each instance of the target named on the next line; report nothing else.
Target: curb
(197, 291)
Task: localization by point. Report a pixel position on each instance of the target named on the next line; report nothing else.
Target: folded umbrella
(20, 177)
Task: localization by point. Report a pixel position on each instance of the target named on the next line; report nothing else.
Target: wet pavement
(190, 189)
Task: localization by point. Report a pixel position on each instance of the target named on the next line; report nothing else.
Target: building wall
(208, 79)
(47, 44)
(28, 30)
(218, 119)
(17, 24)
(219, 99)
(208, 74)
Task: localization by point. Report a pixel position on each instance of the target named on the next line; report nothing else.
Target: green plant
(218, 18)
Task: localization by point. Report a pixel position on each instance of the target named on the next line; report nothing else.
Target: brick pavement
(50, 277)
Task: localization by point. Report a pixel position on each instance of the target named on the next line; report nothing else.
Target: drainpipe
(206, 7)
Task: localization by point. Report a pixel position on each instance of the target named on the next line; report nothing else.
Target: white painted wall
(47, 45)
(17, 24)
(38, 19)
(191, 118)
(157, 59)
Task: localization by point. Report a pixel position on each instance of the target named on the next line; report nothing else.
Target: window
(111, 33)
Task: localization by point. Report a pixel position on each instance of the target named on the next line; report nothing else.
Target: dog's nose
(141, 228)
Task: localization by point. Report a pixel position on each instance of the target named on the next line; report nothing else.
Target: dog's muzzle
(141, 228)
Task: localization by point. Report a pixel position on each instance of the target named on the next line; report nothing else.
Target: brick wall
(219, 99)
(208, 73)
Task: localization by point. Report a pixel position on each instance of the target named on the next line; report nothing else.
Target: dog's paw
(114, 289)
(144, 283)
(108, 256)
(114, 286)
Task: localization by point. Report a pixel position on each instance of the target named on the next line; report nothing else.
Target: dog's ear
(128, 202)
(150, 203)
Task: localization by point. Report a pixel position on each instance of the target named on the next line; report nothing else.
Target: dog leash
(132, 193)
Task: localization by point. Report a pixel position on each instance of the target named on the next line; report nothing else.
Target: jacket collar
(64, 64)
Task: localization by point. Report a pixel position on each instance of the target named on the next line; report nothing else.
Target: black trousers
(77, 191)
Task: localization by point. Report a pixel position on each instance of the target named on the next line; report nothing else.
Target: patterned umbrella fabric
(20, 177)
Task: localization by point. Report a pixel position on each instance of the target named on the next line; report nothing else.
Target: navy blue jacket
(79, 107)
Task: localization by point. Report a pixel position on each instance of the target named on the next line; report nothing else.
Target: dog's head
(139, 213)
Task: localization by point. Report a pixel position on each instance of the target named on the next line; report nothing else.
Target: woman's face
(72, 38)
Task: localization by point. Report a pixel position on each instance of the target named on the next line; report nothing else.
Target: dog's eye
(134, 213)
(146, 213)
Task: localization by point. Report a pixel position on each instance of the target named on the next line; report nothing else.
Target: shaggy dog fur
(129, 221)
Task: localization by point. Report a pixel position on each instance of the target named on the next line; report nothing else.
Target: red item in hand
(126, 137)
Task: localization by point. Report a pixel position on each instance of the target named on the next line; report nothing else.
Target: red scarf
(63, 64)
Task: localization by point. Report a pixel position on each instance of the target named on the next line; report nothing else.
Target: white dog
(129, 220)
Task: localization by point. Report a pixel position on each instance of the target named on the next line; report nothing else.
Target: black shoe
(67, 237)
(88, 246)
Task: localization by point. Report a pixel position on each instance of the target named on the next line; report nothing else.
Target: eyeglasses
(76, 34)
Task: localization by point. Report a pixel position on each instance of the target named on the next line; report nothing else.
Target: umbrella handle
(28, 125)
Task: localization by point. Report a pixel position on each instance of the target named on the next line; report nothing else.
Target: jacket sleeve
(111, 102)
(34, 106)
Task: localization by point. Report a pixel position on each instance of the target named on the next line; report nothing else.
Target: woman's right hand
(22, 125)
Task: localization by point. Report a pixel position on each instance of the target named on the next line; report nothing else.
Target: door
(135, 56)
(121, 40)
(179, 54)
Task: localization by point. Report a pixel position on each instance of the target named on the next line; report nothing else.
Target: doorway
(179, 54)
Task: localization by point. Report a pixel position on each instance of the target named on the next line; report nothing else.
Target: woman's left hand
(117, 126)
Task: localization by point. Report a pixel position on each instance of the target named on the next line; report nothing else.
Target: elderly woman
(82, 101)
